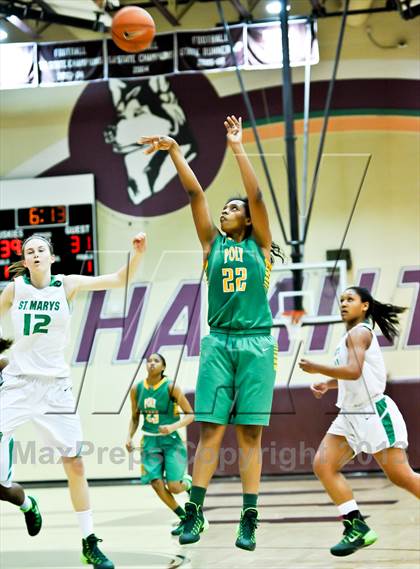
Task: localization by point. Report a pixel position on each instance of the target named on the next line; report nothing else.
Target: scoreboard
(61, 208)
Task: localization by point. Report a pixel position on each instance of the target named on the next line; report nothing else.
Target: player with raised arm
(238, 359)
(36, 384)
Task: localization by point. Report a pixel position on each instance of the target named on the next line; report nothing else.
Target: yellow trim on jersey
(154, 387)
(275, 358)
(176, 410)
(267, 274)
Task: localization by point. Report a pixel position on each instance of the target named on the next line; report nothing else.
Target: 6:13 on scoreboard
(71, 229)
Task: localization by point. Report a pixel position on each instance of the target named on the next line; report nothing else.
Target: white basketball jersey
(41, 319)
(372, 381)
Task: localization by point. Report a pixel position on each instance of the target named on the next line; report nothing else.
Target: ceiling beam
(45, 6)
(26, 11)
(242, 11)
(16, 22)
(181, 13)
(165, 12)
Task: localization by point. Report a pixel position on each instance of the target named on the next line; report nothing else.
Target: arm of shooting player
(257, 207)
(178, 396)
(134, 420)
(358, 341)
(205, 228)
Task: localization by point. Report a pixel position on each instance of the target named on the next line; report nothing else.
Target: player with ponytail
(36, 385)
(368, 420)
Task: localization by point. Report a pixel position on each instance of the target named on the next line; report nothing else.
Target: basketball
(133, 29)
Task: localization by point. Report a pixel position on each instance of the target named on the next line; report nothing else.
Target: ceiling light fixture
(274, 7)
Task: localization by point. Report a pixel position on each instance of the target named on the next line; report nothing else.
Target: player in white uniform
(36, 385)
(368, 420)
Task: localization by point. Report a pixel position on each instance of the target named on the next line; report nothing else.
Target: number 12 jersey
(41, 320)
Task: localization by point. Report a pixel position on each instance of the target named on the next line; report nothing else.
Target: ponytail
(18, 269)
(384, 315)
(276, 251)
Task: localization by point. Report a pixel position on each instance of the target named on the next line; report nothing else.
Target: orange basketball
(133, 29)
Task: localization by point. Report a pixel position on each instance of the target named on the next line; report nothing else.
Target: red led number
(10, 246)
(75, 244)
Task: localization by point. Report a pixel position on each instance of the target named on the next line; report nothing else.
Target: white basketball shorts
(49, 404)
(372, 428)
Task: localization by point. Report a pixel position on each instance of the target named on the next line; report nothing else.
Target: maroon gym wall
(299, 422)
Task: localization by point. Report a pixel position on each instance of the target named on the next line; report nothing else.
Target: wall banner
(17, 65)
(264, 47)
(69, 62)
(210, 50)
(159, 59)
(255, 46)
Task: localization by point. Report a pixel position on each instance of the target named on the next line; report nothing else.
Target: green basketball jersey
(238, 277)
(156, 405)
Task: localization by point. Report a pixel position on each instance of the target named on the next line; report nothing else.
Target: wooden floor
(298, 525)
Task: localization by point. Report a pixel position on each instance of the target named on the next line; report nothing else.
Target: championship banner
(70, 62)
(17, 66)
(264, 47)
(210, 50)
(158, 59)
(254, 46)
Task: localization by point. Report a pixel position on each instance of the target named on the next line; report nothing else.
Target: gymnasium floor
(298, 524)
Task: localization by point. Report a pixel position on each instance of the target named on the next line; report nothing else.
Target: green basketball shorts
(163, 457)
(236, 379)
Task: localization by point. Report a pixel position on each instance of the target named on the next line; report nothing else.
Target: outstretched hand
(156, 143)
(139, 243)
(233, 129)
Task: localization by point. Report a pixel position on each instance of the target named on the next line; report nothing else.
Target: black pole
(289, 138)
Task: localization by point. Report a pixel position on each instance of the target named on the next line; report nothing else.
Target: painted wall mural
(93, 128)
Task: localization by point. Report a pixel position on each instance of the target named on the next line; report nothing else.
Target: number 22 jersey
(238, 278)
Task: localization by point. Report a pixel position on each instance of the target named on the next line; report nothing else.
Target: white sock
(26, 504)
(85, 520)
(187, 483)
(347, 507)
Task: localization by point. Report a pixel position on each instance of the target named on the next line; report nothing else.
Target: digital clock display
(71, 229)
(45, 215)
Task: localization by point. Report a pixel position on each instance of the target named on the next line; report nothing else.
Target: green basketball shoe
(91, 554)
(246, 529)
(356, 535)
(33, 518)
(177, 530)
(194, 524)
